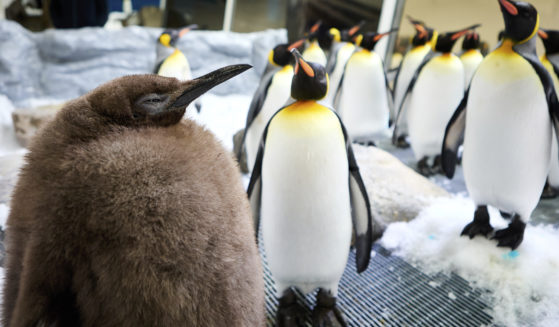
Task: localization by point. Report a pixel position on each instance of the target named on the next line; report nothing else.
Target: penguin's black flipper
(360, 208)
(256, 104)
(158, 66)
(400, 114)
(547, 83)
(453, 137)
(254, 190)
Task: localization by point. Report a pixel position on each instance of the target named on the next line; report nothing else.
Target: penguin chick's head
(152, 100)
(369, 40)
(310, 81)
(550, 40)
(281, 56)
(169, 37)
(446, 41)
(471, 41)
(521, 20)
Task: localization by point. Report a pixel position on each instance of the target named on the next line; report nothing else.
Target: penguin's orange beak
(315, 27)
(422, 31)
(355, 28)
(300, 62)
(509, 7)
(543, 34)
(295, 44)
(464, 31)
(187, 29)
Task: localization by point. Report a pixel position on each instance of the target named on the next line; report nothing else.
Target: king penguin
(170, 61)
(550, 61)
(307, 190)
(505, 120)
(421, 45)
(471, 56)
(435, 90)
(364, 97)
(125, 214)
(342, 48)
(313, 52)
(271, 95)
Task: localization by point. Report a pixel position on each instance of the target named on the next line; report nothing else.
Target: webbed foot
(290, 313)
(326, 313)
(511, 236)
(480, 225)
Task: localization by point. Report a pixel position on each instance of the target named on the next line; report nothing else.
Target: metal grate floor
(392, 292)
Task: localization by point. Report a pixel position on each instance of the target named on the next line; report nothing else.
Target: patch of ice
(522, 285)
(4, 210)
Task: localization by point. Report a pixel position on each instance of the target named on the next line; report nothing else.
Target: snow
(522, 284)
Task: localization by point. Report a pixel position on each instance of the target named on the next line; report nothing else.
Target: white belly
(306, 220)
(343, 55)
(314, 53)
(436, 95)
(410, 63)
(508, 135)
(278, 94)
(471, 61)
(363, 104)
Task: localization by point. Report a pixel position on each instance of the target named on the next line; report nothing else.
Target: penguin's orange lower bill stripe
(306, 67)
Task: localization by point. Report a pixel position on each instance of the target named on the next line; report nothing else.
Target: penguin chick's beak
(196, 87)
(300, 62)
(458, 34)
(509, 7)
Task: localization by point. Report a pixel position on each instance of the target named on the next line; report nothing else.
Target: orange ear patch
(306, 68)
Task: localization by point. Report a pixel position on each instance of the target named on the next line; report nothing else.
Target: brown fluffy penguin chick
(126, 215)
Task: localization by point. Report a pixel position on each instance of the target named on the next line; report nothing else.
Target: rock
(397, 193)
(237, 138)
(28, 121)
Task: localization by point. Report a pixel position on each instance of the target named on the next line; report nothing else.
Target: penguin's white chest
(305, 206)
(507, 141)
(343, 55)
(315, 54)
(410, 63)
(363, 103)
(277, 95)
(176, 65)
(435, 96)
(471, 60)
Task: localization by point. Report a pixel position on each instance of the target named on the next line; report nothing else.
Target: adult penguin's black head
(521, 20)
(152, 100)
(471, 41)
(421, 32)
(169, 37)
(280, 55)
(550, 40)
(347, 35)
(369, 40)
(446, 41)
(310, 81)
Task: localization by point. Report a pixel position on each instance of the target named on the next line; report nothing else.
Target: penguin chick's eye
(149, 105)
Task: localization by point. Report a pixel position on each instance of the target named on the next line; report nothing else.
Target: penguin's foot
(548, 192)
(326, 313)
(480, 225)
(437, 168)
(402, 143)
(366, 143)
(290, 313)
(511, 236)
(423, 167)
